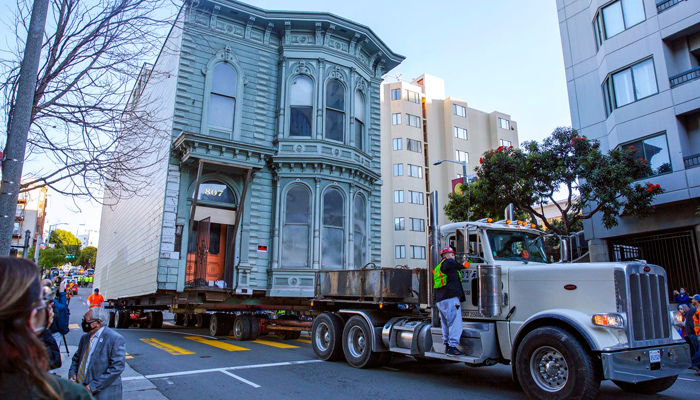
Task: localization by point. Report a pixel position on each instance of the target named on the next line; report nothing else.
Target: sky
(497, 55)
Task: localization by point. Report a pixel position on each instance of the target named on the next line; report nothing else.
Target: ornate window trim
(224, 55)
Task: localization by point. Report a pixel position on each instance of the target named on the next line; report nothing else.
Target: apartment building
(632, 70)
(30, 215)
(421, 126)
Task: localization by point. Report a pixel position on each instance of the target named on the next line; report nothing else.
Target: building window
(399, 224)
(503, 123)
(504, 143)
(458, 110)
(413, 97)
(414, 145)
(417, 224)
(418, 252)
(360, 231)
(415, 171)
(359, 120)
(396, 119)
(398, 196)
(397, 143)
(333, 239)
(335, 111)
(413, 120)
(396, 94)
(222, 99)
(462, 156)
(301, 106)
(398, 169)
(416, 197)
(297, 227)
(400, 251)
(460, 133)
(618, 17)
(655, 150)
(629, 85)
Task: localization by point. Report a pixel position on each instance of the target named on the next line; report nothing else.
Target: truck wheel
(241, 328)
(121, 319)
(219, 324)
(202, 320)
(552, 364)
(155, 320)
(111, 319)
(648, 387)
(327, 336)
(254, 327)
(190, 320)
(179, 319)
(357, 344)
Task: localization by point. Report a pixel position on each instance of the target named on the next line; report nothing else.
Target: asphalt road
(186, 364)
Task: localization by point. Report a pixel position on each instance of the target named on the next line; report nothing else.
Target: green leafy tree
(67, 241)
(479, 203)
(565, 163)
(48, 257)
(88, 255)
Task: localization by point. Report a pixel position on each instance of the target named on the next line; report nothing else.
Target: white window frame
(504, 143)
(415, 171)
(459, 110)
(460, 133)
(462, 156)
(599, 28)
(609, 94)
(398, 196)
(398, 169)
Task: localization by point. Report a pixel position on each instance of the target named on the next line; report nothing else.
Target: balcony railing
(684, 77)
(692, 161)
(664, 5)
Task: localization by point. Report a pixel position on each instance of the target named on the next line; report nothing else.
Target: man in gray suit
(99, 361)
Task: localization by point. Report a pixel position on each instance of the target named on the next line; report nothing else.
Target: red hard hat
(446, 249)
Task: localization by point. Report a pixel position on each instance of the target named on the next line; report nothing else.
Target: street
(187, 363)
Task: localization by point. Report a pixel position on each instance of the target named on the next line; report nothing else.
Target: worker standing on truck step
(448, 296)
(96, 299)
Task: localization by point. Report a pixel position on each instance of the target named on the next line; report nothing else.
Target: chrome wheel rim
(356, 342)
(238, 329)
(322, 337)
(549, 369)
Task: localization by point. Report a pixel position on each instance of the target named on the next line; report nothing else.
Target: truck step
(466, 359)
(400, 350)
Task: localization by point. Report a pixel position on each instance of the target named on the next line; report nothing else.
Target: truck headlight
(608, 320)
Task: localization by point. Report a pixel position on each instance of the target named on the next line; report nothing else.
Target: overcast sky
(498, 55)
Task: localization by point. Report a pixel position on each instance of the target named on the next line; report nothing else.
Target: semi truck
(563, 327)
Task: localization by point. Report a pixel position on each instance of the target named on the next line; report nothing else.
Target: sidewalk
(137, 389)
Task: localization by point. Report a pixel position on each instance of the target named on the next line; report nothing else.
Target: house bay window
(297, 227)
(335, 111)
(359, 120)
(222, 98)
(359, 233)
(333, 235)
(301, 106)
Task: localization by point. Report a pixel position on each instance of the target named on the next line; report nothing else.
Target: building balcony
(685, 77)
(664, 5)
(692, 161)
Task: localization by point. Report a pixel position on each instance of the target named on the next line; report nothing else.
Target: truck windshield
(516, 245)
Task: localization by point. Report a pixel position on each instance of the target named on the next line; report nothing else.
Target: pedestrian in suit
(100, 359)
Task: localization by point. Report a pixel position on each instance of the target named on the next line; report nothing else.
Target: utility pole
(20, 121)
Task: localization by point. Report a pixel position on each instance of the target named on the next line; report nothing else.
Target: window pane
(334, 125)
(622, 83)
(301, 92)
(398, 196)
(221, 110)
(656, 153)
(396, 119)
(295, 245)
(359, 134)
(634, 12)
(359, 106)
(644, 79)
(400, 251)
(332, 245)
(333, 208)
(335, 95)
(396, 94)
(216, 192)
(300, 121)
(224, 80)
(298, 206)
(359, 233)
(612, 17)
(397, 144)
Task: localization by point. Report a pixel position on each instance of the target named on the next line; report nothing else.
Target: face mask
(86, 326)
(682, 291)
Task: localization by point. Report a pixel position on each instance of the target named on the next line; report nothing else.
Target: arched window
(359, 120)
(360, 231)
(335, 111)
(216, 194)
(222, 99)
(333, 237)
(301, 106)
(296, 232)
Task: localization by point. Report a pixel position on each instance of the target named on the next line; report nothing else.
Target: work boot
(453, 351)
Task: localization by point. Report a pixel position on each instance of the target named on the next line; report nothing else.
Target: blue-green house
(271, 161)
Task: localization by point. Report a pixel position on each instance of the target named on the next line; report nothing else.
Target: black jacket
(52, 347)
(453, 287)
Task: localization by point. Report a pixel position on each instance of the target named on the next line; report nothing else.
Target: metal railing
(692, 161)
(684, 77)
(664, 5)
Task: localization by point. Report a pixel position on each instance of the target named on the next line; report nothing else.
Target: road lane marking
(303, 341)
(686, 379)
(275, 344)
(179, 333)
(201, 371)
(216, 343)
(73, 326)
(174, 350)
(241, 379)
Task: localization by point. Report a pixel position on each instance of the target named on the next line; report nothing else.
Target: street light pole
(465, 180)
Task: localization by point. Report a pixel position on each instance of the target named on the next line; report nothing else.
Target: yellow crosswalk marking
(216, 343)
(174, 350)
(275, 344)
(303, 341)
(73, 326)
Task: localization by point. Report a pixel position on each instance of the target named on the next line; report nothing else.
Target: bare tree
(86, 133)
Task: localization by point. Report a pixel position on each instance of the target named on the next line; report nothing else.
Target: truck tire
(155, 320)
(648, 387)
(179, 319)
(241, 328)
(111, 319)
(121, 319)
(219, 324)
(202, 320)
(327, 337)
(190, 320)
(290, 335)
(357, 344)
(552, 364)
(254, 327)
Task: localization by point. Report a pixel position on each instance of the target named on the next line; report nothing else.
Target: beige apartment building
(30, 216)
(420, 126)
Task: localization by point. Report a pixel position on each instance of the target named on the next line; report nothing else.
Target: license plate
(655, 356)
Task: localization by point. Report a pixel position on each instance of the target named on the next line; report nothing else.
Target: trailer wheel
(111, 319)
(190, 320)
(327, 337)
(254, 327)
(155, 320)
(648, 387)
(357, 344)
(121, 319)
(202, 320)
(219, 324)
(552, 364)
(241, 328)
(179, 319)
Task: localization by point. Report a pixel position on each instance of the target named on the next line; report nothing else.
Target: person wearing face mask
(23, 317)
(681, 297)
(100, 359)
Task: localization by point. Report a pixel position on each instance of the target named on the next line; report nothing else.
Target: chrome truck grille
(642, 294)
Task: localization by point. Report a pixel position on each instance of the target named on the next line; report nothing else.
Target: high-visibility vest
(95, 300)
(696, 322)
(439, 278)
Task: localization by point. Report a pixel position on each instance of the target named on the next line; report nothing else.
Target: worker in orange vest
(96, 299)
